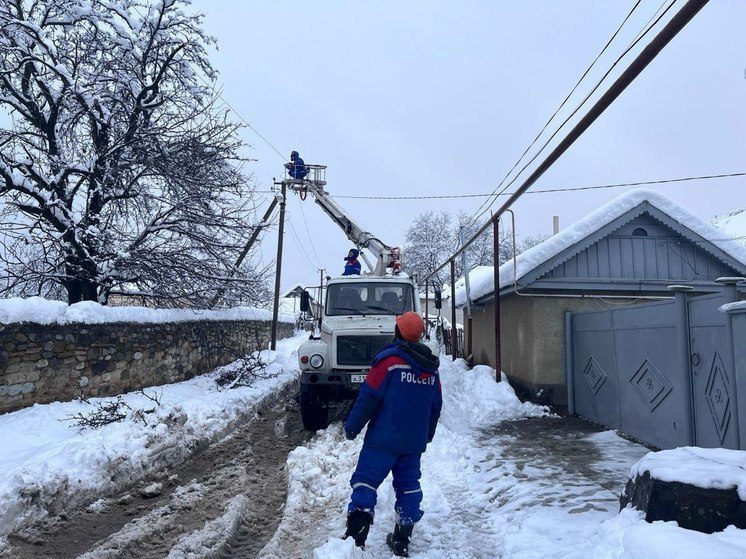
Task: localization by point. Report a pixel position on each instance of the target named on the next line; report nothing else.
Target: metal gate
(661, 372)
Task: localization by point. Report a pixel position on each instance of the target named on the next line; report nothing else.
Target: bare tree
(119, 170)
(433, 238)
(429, 241)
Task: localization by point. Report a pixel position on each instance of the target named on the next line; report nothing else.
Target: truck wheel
(314, 409)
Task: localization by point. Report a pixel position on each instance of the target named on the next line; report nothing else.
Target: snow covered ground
(48, 463)
(497, 483)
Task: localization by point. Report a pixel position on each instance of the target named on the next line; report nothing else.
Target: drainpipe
(684, 355)
(569, 365)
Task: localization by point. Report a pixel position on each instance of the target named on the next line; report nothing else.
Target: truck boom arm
(354, 232)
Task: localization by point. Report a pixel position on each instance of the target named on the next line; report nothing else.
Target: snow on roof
(43, 311)
(482, 282)
(733, 224)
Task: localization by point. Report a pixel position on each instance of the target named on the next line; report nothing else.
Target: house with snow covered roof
(627, 251)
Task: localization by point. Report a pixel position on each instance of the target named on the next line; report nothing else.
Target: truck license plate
(357, 378)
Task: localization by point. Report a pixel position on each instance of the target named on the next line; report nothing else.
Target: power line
(578, 107)
(474, 216)
(308, 233)
(544, 191)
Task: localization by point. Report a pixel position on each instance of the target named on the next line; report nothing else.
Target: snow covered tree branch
(434, 237)
(119, 171)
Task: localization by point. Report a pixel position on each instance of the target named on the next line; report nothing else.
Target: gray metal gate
(661, 372)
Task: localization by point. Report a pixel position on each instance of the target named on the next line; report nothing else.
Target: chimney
(555, 225)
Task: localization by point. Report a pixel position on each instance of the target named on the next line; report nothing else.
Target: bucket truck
(357, 313)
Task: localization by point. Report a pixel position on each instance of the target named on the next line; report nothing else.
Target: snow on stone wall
(46, 361)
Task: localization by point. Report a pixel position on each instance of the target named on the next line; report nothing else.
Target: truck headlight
(317, 361)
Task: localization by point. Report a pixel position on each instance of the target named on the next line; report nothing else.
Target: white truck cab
(357, 322)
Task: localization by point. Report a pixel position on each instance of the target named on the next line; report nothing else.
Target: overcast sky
(442, 97)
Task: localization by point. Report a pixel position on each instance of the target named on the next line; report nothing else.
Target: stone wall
(47, 363)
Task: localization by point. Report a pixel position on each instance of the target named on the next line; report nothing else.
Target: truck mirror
(438, 300)
(305, 301)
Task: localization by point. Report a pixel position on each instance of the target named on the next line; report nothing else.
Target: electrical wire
(580, 105)
(308, 233)
(557, 110)
(545, 190)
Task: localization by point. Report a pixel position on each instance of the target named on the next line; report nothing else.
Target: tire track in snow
(249, 463)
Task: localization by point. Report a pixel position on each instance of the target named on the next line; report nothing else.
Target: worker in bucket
(400, 401)
(352, 267)
(297, 167)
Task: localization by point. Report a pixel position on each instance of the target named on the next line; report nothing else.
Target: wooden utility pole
(278, 268)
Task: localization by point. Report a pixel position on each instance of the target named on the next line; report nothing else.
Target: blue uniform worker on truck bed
(400, 401)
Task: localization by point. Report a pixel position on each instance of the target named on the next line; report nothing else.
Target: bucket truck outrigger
(357, 315)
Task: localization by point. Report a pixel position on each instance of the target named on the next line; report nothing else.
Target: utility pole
(278, 269)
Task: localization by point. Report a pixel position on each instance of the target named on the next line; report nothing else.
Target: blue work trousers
(373, 466)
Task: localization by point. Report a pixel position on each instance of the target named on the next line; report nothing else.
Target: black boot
(399, 540)
(358, 525)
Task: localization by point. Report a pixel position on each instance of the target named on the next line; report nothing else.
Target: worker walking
(400, 401)
(297, 167)
(352, 268)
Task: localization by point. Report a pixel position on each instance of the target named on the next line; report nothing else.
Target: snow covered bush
(120, 167)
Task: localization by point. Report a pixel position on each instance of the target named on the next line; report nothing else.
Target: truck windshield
(369, 298)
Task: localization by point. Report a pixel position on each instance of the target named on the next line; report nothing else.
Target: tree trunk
(78, 285)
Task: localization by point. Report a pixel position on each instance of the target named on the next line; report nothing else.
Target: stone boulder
(700, 489)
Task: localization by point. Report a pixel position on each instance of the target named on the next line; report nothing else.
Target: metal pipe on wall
(427, 309)
(496, 278)
(454, 334)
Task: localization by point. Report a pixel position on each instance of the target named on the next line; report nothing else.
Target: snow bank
(482, 283)
(709, 468)
(47, 462)
(42, 311)
(473, 400)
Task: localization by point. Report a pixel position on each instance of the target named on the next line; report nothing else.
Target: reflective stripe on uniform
(392, 367)
(363, 485)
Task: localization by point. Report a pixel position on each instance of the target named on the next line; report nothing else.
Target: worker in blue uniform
(352, 266)
(297, 167)
(400, 401)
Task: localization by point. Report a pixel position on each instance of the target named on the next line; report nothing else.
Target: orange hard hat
(411, 326)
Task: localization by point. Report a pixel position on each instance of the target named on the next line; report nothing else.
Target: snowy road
(238, 485)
